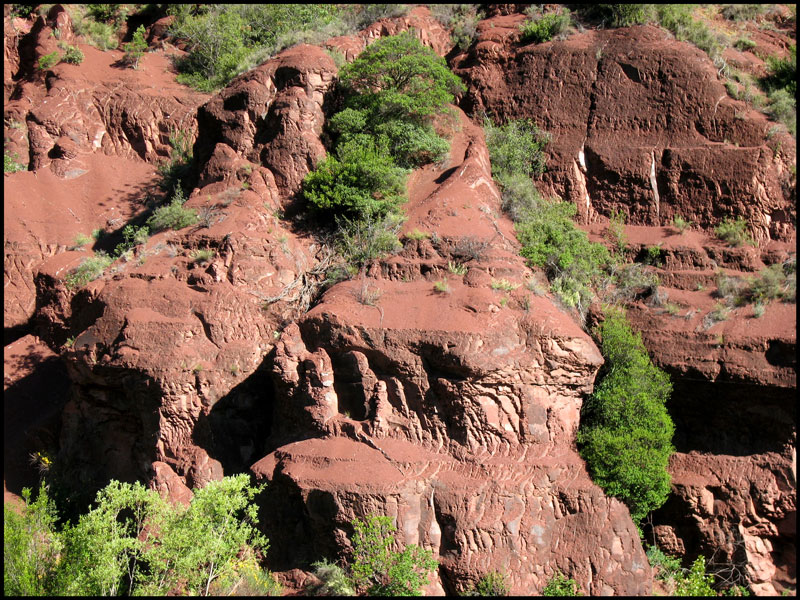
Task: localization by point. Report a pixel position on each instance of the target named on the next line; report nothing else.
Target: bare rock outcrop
(641, 123)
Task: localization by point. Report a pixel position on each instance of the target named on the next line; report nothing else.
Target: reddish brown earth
(452, 410)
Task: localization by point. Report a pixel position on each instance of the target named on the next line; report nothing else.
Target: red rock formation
(640, 123)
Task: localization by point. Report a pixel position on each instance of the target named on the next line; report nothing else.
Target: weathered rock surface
(641, 123)
(460, 410)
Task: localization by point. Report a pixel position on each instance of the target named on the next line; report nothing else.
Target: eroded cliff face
(456, 411)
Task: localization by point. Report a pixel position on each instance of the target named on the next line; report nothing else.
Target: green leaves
(382, 571)
(134, 542)
(626, 432)
(400, 78)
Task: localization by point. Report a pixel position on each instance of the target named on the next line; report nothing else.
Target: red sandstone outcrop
(640, 122)
(459, 409)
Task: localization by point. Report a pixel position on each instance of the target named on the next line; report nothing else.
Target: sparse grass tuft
(456, 268)
(441, 286)
(90, 269)
(504, 284)
(201, 256)
(417, 235)
(734, 232)
(681, 224)
(81, 240)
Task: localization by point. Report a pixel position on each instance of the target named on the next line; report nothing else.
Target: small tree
(559, 585)
(382, 571)
(626, 431)
(135, 49)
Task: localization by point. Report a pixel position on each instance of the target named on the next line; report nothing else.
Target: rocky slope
(454, 412)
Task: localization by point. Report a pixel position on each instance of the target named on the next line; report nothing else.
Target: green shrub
(667, 567)
(72, 55)
(441, 286)
(48, 60)
(378, 570)
(89, 270)
(695, 582)
(172, 216)
(783, 108)
(416, 234)
(632, 281)
(177, 171)
(678, 19)
(31, 547)
(559, 585)
(517, 147)
(135, 49)
(81, 240)
(361, 241)
(108, 13)
(545, 28)
(742, 12)
(744, 43)
(397, 77)
(503, 284)
(202, 255)
(491, 584)
(10, 164)
(615, 231)
(782, 72)
(623, 15)
(626, 431)
(334, 580)
(360, 181)
(520, 197)
(777, 281)
(98, 33)
(572, 263)
(734, 232)
(461, 19)
(681, 224)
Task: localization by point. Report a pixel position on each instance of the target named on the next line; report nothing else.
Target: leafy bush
(30, 547)
(135, 49)
(695, 582)
(48, 60)
(10, 164)
(173, 215)
(545, 28)
(89, 270)
(559, 585)
(777, 281)
(783, 108)
(734, 232)
(377, 569)
(678, 19)
(97, 32)
(572, 263)
(517, 147)
(667, 567)
(491, 584)
(72, 55)
(363, 240)
(398, 78)
(742, 12)
(133, 542)
(360, 181)
(633, 281)
(623, 15)
(681, 224)
(626, 431)
(461, 19)
(744, 43)
(334, 580)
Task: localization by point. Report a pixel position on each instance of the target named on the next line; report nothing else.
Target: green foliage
(131, 236)
(172, 216)
(678, 19)
(744, 43)
(544, 28)
(135, 49)
(778, 281)
(782, 72)
(734, 232)
(97, 32)
(48, 60)
(615, 232)
(654, 255)
(695, 582)
(72, 55)
(633, 280)
(783, 108)
(624, 15)
(398, 78)
(89, 270)
(559, 585)
(176, 172)
(681, 224)
(742, 12)
(441, 286)
(202, 255)
(667, 567)
(10, 164)
(81, 240)
(503, 284)
(361, 181)
(626, 432)
(416, 234)
(334, 580)
(215, 47)
(132, 542)
(30, 547)
(573, 264)
(461, 19)
(493, 583)
(517, 147)
(379, 570)
(107, 13)
(361, 241)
